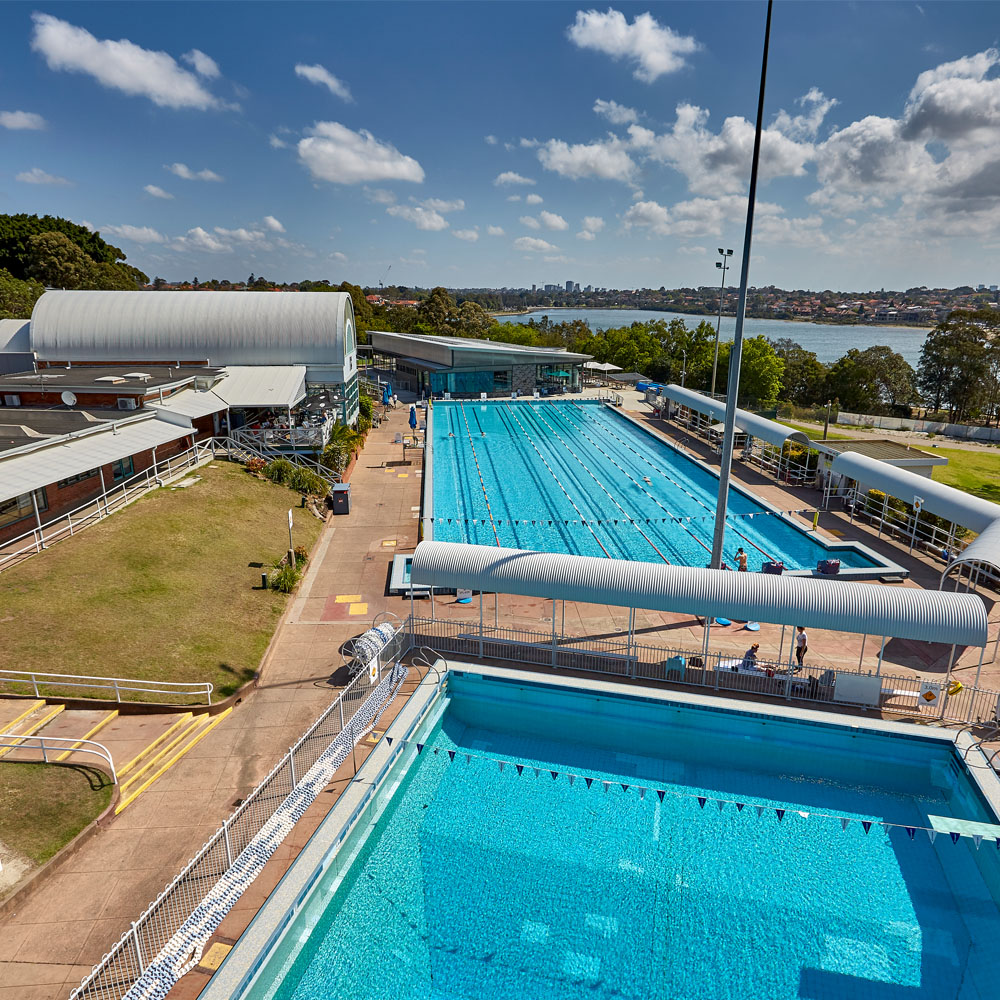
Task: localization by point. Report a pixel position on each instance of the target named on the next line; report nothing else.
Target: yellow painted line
(402, 475)
(348, 598)
(358, 609)
(173, 760)
(182, 721)
(33, 728)
(389, 543)
(34, 707)
(195, 725)
(110, 717)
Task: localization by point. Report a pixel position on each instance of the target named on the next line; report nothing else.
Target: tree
(891, 378)
(761, 372)
(436, 311)
(362, 307)
(850, 381)
(804, 376)
(57, 262)
(954, 360)
(16, 232)
(472, 320)
(343, 441)
(17, 298)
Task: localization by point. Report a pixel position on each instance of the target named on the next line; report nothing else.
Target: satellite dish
(69, 398)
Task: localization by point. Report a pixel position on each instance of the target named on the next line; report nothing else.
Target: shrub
(307, 482)
(256, 465)
(284, 578)
(301, 555)
(279, 471)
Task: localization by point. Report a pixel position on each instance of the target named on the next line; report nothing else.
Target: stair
(29, 723)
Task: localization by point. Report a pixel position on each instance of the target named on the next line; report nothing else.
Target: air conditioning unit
(126, 403)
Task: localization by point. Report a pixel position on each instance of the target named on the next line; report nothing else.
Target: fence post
(34, 684)
(291, 765)
(70, 520)
(45, 753)
(340, 705)
(118, 694)
(229, 847)
(137, 946)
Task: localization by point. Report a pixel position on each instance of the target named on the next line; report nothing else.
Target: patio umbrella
(413, 417)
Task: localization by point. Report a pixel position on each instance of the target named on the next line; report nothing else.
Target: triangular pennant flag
(420, 748)
(537, 771)
(500, 762)
(701, 801)
(910, 831)
(468, 758)
(660, 792)
(606, 784)
(739, 806)
(589, 781)
(932, 835)
(451, 756)
(572, 778)
(624, 788)
(520, 768)
(437, 750)
(642, 792)
(867, 824)
(977, 839)
(721, 804)
(780, 813)
(388, 740)
(954, 836)
(843, 823)
(760, 811)
(555, 774)
(804, 815)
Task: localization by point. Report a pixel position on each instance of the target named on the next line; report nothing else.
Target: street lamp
(684, 367)
(723, 264)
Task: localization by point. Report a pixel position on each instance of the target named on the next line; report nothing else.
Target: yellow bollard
(815, 520)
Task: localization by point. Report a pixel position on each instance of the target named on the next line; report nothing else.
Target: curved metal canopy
(985, 549)
(868, 609)
(750, 423)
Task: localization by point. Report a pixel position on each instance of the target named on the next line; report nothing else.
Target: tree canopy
(16, 232)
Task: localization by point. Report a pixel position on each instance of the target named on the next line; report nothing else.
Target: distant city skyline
(502, 144)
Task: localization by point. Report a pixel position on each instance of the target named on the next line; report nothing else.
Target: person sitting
(750, 658)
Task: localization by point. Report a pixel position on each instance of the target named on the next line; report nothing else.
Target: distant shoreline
(774, 319)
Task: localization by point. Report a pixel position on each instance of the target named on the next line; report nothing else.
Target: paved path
(65, 926)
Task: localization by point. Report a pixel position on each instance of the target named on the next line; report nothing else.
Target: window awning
(839, 605)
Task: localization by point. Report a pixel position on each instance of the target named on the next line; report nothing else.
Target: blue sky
(473, 144)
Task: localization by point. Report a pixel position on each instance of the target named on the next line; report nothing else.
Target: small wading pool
(547, 467)
(463, 880)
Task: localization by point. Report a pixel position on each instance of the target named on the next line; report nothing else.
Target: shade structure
(845, 606)
(750, 423)
(601, 366)
(984, 550)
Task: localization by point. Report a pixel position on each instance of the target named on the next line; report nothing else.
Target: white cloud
(137, 234)
(513, 197)
(552, 221)
(529, 143)
(605, 160)
(270, 222)
(18, 120)
(157, 192)
(615, 113)
(815, 106)
(89, 226)
(423, 218)
(38, 176)
(203, 65)
(184, 171)
(649, 215)
(556, 259)
(530, 222)
(491, 140)
(592, 225)
(321, 76)
(121, 65)
(532, 244)
(654, 48)
(341, 258)
(199, 239)
(469, 235)
(440, 205)
(534, 199)
(692, 251)
(509, 177)
(380, 196)
(332, 152)
(494, 230)
(276, 142)
(241, 235)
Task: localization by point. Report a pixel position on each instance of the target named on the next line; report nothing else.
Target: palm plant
(342, 442)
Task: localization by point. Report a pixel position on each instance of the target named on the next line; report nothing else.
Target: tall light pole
(724, 263)
(684, 367)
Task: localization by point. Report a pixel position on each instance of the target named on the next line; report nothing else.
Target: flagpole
(735, 354)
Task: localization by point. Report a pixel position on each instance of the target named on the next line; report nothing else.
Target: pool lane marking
(479, 472)
(556, 478)
(683, 489)
(603, 487)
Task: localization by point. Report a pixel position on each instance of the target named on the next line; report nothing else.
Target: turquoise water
(549, 466)
(482, 884)
(829, 340)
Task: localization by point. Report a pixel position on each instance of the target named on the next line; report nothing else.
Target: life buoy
(954, 687)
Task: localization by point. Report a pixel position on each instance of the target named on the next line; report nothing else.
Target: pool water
(478, 883)
(545, 468)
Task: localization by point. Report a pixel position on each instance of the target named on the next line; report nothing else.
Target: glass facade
(18, 508)
(495, 380)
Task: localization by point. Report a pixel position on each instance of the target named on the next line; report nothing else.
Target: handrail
(116, 684)
(75, 744)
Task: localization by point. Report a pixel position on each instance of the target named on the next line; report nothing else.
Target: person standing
(801, 644)
(741, 560)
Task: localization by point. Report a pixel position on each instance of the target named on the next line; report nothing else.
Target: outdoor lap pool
(631, 847)
(578, 477)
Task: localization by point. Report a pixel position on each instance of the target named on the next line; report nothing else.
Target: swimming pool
(578, 477)
(603, 865)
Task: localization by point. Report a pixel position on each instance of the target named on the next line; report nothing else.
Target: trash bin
(340, 498)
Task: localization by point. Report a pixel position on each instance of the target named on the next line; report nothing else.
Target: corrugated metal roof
(241, 328)
(74, 455)
(870, 609)
(985, 548)
(750, 423)
(192, 403)
(945, 501)
(262, 385)
(14, 336)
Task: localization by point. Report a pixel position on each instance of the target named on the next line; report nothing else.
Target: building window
(122, 469)
(20, 507)
(76, 479)
(11, 399)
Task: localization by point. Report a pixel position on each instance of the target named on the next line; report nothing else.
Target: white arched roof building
(316, 329)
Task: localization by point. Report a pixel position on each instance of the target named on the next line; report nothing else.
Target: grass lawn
(167, 589)
(976, 472)
(814, 432)
(43, 806)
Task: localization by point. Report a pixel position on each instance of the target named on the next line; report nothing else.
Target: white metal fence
(43, 685)
(713, 670)
(970, 432)
(58, 745)
(118, 495)
(121, 968)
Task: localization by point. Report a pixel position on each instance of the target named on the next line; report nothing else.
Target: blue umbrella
(413, 417)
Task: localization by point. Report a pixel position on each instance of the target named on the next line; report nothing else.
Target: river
(829, 341)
